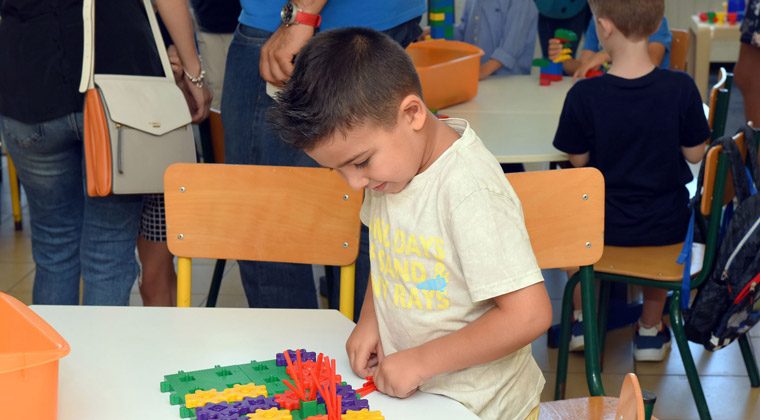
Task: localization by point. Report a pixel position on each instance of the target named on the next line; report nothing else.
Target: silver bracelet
(197, 81)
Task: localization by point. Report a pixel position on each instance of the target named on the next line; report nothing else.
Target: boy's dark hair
(636, 19)
(343, 78)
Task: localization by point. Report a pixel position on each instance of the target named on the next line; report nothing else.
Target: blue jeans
(73, 235)
(248, 139)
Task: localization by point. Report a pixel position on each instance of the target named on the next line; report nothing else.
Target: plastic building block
(363, 415)
(200, 397)
(271, 414)
(305, 355)
(233, 411)
(288, 400)
(593, 73)
(183, 383)
(566, 35)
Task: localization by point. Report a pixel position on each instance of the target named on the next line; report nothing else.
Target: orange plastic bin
(29, 353)
(448, 71)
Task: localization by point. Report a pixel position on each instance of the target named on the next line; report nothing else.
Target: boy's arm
(694, 154)
(517, 319)
(578, 161)
(363, 346)
(590, 62)
(520, 26)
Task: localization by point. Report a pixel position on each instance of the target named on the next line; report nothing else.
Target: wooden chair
(212, 142)
(262, 213)
(679, 49)
(629, 406)
(656, 267)
(720, 95)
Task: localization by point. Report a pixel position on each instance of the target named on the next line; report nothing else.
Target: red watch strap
(308, 19)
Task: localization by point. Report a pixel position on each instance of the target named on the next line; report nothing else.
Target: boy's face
(370, 156)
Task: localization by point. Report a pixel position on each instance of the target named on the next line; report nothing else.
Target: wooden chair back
(629, 406)
(711, 169)
(720, 95)
(564, 214)
(261, 213)
(217, 135)
(631, 402)
(679, 49)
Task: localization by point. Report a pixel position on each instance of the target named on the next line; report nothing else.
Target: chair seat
(648, 262)
(591, 408)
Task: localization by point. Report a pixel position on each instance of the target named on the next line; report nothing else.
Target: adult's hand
(278, 53)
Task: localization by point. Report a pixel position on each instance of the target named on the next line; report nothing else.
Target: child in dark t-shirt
(636, 124)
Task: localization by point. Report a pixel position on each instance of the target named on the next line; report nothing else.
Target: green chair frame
(594, 332)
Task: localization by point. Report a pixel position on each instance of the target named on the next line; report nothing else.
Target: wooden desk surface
(119, 356)
(515, 117)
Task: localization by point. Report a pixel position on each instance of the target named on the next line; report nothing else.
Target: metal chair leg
(676, 321)
(590, 333)
(564, 336)
(605, 288)
(216, 283)
(749, 360)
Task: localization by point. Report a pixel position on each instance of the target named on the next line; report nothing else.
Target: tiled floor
(722, 374)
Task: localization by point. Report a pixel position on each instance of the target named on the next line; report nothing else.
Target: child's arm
(578, 161)
(363, 347)
(694, 154)
(519, 28)
(517, 319)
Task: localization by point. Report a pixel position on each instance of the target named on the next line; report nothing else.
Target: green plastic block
(566, 34)
(541, 62)
(219, 378)
(266, 373)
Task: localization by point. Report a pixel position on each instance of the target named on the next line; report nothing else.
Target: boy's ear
(604, 28)
(413, 112)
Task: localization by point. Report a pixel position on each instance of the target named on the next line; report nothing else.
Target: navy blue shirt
(633, 130)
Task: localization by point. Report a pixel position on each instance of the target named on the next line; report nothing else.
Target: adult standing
(75, 236)
(748, 65)
(262, 51)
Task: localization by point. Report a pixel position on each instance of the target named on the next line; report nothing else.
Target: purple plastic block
(345, 391)
(260, 402)
(305, 355)
(353, 404)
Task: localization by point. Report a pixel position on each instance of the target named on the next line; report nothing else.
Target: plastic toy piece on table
(551, 70)
(441, 19)
(200, 397)
(309, 410)
(271, 414)
(305, 355)
(367, 388)
(594, 73)
(183, 383)
(233, 411)
(363, 415)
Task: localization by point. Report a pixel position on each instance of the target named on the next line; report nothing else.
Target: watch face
(286, 14)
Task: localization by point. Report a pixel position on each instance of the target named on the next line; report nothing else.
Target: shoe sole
(651, 355)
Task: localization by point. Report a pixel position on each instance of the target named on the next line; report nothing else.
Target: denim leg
(248, 139)
(48, 158)
(72, 235)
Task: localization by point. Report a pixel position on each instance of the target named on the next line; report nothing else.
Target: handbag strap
(87, 80)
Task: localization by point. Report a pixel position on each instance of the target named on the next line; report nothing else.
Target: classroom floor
(724, 378)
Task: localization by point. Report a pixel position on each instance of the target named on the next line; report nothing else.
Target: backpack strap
(741, 181)
(752, 166)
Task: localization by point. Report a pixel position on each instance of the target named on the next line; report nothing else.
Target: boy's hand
(593, 63)
(555, 48)
(399, 374)
(364, 348)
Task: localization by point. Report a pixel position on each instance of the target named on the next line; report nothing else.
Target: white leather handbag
(134, 126)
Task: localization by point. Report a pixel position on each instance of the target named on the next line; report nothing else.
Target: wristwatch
(293, 15)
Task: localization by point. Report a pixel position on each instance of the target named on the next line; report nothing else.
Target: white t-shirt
(440, 250)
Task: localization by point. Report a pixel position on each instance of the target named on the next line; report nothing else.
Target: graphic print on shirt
(408, 268)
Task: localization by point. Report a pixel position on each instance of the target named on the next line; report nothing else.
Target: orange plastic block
(288, 400)
(271, 414)
(364, 414)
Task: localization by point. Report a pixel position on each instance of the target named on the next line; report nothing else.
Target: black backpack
(727, 303)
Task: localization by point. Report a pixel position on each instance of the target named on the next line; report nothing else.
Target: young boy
(505, 30)
(594, 56)
(456, 295)
(636, 124)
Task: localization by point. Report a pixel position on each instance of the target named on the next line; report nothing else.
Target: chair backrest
(631, 401)
(262, 213)
(217, 135)
(679, 49)
(564, 214)
(720, 95)
(711, 172)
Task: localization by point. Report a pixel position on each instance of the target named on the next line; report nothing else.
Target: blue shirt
(378, 15)
(505, 30)
(663, 36)
(633, 130)
(560, 9)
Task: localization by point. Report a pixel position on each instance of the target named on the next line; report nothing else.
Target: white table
(119, 356)
(515, 117)
(702, 36)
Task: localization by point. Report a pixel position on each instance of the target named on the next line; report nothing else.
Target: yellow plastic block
(562, 58)
(364, 414)
(200, 398)
(437, 17)
(271, 414)
(720, 17)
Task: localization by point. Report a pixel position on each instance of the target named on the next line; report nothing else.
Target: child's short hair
(636, 19)
(343, 78)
